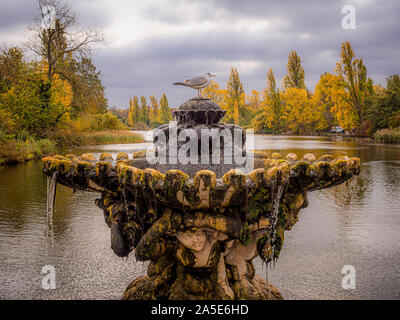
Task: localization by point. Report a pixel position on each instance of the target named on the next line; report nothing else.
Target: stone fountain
(200, 225)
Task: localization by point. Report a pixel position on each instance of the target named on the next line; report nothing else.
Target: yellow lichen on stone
(152, 176)
(258, 176)
(106, 156)
(64, 166)
(272, 173)
(88, 157)
(139, 154)
(121, 167)
(309, 157)
(60, 157)
(235, 177)
(339, 166)
(301, 167)
(49, 163)
(122, 156)
(173, 176)
(325, 157)
(269, 163)
(136, 173)
(260, 154)
(103, 168)
(284, 168)
(321, 168)
(84, 167)
(205, 175)
(291, 157)
(355, 163)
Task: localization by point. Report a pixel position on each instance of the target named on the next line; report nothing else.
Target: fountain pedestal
(200, 229)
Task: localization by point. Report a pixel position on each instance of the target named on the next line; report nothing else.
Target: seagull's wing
(196, 81)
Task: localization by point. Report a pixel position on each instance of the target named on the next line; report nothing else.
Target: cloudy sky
(149, 44)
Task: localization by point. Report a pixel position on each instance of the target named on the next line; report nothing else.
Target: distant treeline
(345, 97)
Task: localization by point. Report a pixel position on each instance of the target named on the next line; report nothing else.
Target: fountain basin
(200, 229)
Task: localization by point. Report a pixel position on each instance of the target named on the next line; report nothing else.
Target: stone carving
(200, 229)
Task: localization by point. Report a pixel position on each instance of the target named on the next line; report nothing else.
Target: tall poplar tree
(144, 111)
(235, 95)
(295, 76)
(356, 85)
(165, 112)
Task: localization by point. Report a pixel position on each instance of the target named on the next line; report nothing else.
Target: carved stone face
(193, 240)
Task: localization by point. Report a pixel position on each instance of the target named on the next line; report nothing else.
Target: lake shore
(17, 150)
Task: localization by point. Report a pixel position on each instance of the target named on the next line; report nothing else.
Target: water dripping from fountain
(274, 219)
(51, 199)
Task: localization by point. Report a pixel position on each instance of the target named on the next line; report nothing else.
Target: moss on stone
(207, 176)
(276, 155)
(234, 177)
(122, 156)
(106, 156)
(139, 154)
(88, 157)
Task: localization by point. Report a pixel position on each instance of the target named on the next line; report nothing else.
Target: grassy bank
(74, 138)
(15, 149)
(387, 135)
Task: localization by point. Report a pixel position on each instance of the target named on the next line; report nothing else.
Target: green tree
(273, 104)
(134, 111)
(295, 76)
(384, 109)
(154, 112)
(165, 112)
(357, 87)
(235, 96)
(144, 111)
(89, 92)
(32, 102)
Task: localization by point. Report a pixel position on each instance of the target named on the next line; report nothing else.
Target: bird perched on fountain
(197, 83)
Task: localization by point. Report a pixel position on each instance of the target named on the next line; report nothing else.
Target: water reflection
(342, 225)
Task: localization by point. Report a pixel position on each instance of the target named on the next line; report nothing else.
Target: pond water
(357, 224)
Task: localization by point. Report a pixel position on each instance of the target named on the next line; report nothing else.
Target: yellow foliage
(297, 111)
(62, 94)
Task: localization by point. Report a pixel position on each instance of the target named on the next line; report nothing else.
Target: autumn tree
(165, 112)
(59, 40)
(235, 96)
(214, 92)
(134, 111)
(273, 104)
(144, 111)
(31, 102)
(88, 89)
(353, 75)
(295, 76)
(298, 112)
(65, 50)
(384, 109)
(154, 111)
(327, 97)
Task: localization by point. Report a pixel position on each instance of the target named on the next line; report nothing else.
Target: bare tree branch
(56, 42)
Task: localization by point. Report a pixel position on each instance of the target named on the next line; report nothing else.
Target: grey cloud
(150, 65)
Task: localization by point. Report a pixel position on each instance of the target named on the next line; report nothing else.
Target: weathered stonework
(200, 233)
(200, 226)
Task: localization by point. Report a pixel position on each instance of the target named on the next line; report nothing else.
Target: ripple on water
(331, 232)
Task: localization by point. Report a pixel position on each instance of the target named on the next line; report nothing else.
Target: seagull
(198, 83)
